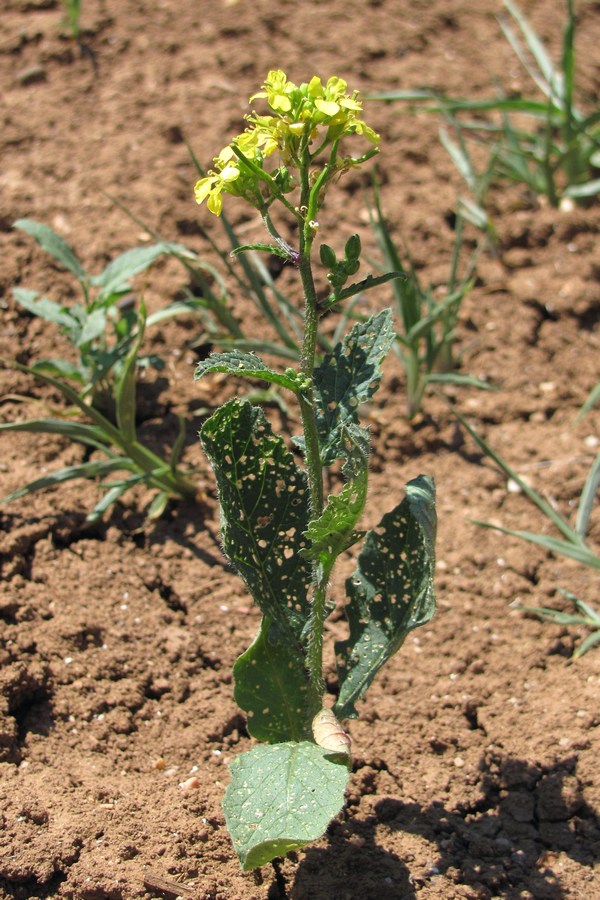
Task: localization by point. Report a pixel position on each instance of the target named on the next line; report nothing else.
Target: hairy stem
(314, 657)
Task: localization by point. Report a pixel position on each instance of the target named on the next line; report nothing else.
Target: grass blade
(588, 495)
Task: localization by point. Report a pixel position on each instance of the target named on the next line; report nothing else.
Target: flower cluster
(304, 115)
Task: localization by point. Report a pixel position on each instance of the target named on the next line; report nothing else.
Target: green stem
(314, 468)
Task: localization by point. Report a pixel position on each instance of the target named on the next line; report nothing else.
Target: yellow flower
(213, 185)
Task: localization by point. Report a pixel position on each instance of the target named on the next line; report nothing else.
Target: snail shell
(329, 734)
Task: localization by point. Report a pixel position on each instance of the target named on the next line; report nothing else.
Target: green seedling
(572, 542)
(72, 16)
(116, 441)
(425, 344)
(280, 531)
(101, 383)
(585, 616)
(558, 157)
(101, 327)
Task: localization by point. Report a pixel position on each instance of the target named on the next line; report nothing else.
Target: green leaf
(265, 248)
(114, 279)
(235, 362)
(53, 244)
(282, 797)
(93, 327)
(75, 431)
(44, 308)
(271, 686)
(333, 531)
(358, 287)
(264, 511)
(390, 593)
(61, 367)
(85, 470)
(348, 376)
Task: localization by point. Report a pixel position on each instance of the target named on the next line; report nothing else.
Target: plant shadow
(508, 842)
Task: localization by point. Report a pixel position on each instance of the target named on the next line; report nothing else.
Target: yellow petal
(327, 107)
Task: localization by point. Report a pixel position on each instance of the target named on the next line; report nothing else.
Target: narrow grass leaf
(586, 500)
(84, 470)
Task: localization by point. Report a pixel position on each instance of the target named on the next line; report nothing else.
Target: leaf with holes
(271, 686)
(347, 377)
(390, 593)
(333, 531)
(282, 797)
(249, 365)
(264, 512)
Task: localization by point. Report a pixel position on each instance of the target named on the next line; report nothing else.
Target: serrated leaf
(235, 362)
(264, 511)
(282, 797)
(390, 593)
(271, 686)
(53, 244)
(347, 377)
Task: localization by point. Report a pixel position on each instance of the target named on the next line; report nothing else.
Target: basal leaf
(271, 687)
(282, 797)
(235, 362)
(390, 593)
(264, 511)
(53, 244)
(347, 377)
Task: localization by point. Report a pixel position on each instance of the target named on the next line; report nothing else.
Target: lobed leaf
(390, 593)
(271, 686)
(264, 511)
(348, 376)
(282, 797)
(235, 362)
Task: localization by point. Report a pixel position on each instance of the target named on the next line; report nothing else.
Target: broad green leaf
(235, 362)
(390, 593)
(93, 327)
(53, 244)
(44, 308)
(264, 511)
(282, 797)
(348, 376)
(271, 685)
(114, 279)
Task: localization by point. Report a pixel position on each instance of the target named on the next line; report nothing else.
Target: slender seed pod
(329, 734)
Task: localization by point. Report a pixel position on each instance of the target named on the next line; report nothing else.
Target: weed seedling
(280, 531)
(558, 156)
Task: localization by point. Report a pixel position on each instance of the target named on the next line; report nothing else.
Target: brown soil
(477, 763)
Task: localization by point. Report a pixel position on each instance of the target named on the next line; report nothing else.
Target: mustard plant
(279, 529)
